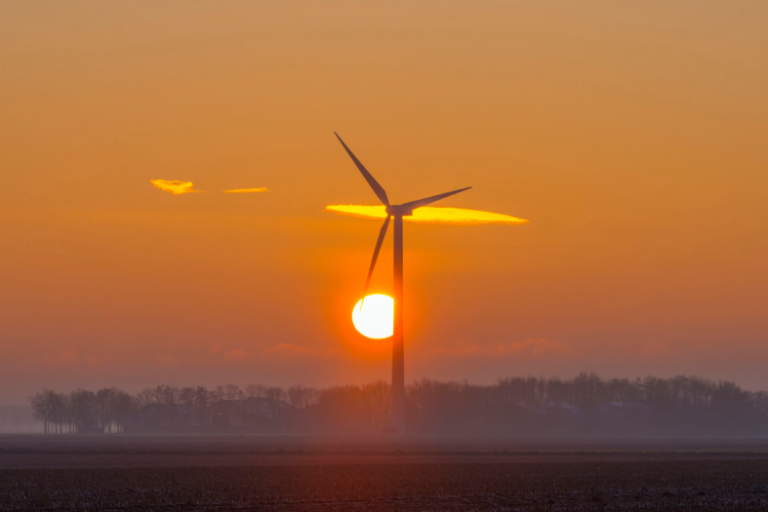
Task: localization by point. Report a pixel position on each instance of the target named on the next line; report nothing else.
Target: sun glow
(429, 215)
(376, 317)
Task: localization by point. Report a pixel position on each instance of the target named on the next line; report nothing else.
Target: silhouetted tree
(187, 396)
(60, 412)
(218, 394)
(145, 397)
(83, 408)
(122, 406)
(104, 404)
(362, 409)
(201, 398)
(255, 390)
(760, 402)
(232, 392)
(274, 395)
(302, 397)
(42, 407)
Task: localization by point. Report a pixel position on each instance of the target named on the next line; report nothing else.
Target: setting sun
(374, 319)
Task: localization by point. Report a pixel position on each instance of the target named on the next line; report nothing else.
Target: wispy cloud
(236, 355)
(246, 190)
(66, 357)
(429, 215)
(289, 349)
(175, 187)
(71, 358)
(218, 353)
(166, 360)
(532, 348)
(653, 349)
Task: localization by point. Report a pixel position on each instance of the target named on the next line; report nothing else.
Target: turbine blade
(380, 241)
(378, 189)
(429, 200)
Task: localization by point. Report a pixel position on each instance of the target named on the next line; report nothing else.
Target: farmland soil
(131, 473)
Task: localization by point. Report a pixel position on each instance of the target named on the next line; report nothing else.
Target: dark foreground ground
(305, 474)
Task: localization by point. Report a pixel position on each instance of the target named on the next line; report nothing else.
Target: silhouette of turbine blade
(378, 189)
(380, 241)
(429, 200)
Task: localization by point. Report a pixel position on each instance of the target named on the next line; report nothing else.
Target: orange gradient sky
(631, 135)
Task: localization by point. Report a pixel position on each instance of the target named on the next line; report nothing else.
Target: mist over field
(19, 419)
(516, 407)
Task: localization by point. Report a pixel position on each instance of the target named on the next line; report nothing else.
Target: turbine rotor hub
(397, 210)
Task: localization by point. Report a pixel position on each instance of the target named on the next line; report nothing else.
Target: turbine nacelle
(399, 210)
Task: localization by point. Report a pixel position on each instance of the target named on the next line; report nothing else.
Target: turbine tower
(396, 211)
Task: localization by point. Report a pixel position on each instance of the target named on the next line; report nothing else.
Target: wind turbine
(396, 211)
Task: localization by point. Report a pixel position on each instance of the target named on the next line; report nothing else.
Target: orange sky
(632, 136)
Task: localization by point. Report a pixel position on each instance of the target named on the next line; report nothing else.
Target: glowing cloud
(246, 190)
(429, 215)
(175, 187)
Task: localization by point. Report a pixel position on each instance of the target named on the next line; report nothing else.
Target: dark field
(256, 473)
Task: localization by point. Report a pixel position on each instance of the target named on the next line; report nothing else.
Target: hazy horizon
(631, 136)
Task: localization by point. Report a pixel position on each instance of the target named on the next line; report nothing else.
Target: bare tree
(104, 403)
(169, 395)
(122, 406)
(312, 397)
(274, 396)
(255, 390)
(233, 392)
(145, 397)
(187, 396)
(218, 394)
(760, 401)
(202, 397)
(302, 397)
(360, 408)
(82, 404)
(60, 411)
(42, 407)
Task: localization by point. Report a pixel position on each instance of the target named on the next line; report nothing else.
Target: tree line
(79, 409)
(681, 402)
(108, 408)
